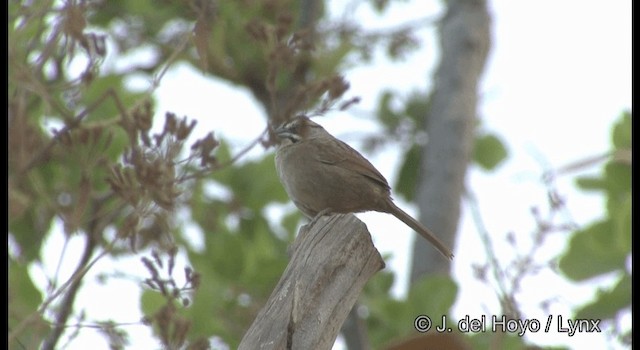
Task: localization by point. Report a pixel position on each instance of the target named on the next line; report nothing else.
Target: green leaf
(621, 134)
(592, 252)
(387, 320)
(266, 259)
(385, 113)
(119, 142)
(20, 284)
(107, 109)
(30, 229)
(207, 302)
(391, 319)
(617, 181)
(609, 302)
(622, 224)
(433, 295)
(332, 60)
(226, 253)
(290, 223)
(618, 177)
(254, 184)
(380, 284)
(408, 177)
(489, 151)
(417, 106)
(151, 301)
(24, 300)
(590, 183)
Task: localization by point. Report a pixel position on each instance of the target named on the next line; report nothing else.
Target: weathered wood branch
(330, 264)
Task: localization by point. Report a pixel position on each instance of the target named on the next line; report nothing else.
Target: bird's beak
(282, 132)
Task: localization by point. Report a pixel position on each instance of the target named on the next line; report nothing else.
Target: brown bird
(323, 175)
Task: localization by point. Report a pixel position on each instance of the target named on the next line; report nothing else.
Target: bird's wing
(350, 159)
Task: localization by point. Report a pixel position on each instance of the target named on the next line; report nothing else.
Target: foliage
(604, 246)
(389, 319)
(60, 174)
(600, 248)
(103, 171)
(403, 120)
(82, 153)
(489, 151)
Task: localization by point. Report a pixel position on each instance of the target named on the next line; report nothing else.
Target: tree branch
(450, 125)
(66, 305)
(331, 262)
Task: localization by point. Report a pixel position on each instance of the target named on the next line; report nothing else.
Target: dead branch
(331, 262)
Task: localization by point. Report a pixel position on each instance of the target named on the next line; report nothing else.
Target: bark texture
(330, 264)
(450, 121)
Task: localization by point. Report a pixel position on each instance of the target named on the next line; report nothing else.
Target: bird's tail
(418, 227)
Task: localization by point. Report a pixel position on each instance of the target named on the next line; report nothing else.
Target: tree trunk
(332, 260)
(449, 123)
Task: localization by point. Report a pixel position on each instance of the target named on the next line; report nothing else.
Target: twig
(486, 241)
(99, 325)
(71, 125)
(59, 265)
(76, 276)
(577, 165)
(234, 159)
(170, 61)
(244, 151)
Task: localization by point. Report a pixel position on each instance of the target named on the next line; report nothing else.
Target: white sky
(558, 75)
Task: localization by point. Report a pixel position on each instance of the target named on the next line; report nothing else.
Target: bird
(322, 175)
